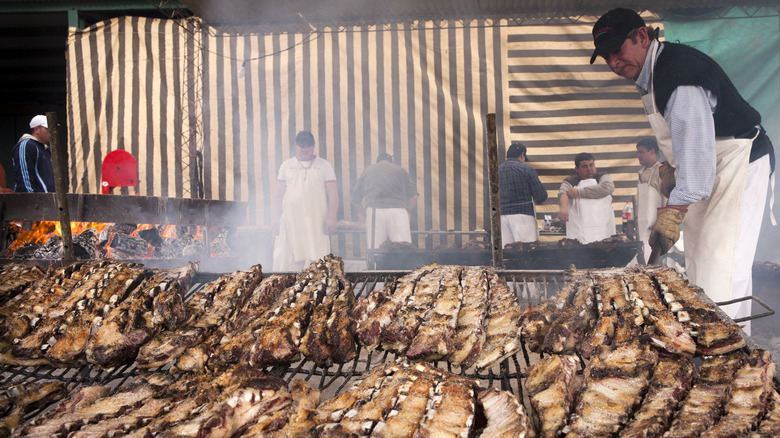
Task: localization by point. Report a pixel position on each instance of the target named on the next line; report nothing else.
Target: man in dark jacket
(32, 159)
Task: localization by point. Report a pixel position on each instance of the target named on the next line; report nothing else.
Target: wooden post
(495, 204)
(60, 184)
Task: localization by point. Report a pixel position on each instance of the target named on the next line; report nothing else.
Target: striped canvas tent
(192, 104)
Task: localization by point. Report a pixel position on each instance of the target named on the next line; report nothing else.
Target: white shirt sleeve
(689, 114)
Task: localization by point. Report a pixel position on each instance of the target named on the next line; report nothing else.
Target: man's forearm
(604, 188)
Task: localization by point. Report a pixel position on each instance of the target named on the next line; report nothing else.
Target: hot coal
(152, 235)
(26, 251)
(85, 245)
(52, 249)
(125, 246)
(185, 246)
(107, 231)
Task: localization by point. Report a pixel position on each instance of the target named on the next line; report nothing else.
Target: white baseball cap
(39, 120)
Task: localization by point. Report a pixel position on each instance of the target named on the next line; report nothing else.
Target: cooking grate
(531, 288)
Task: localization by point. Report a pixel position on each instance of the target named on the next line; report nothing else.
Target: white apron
(590, 220)
(519, 228)
(711, 226)
(385, 224)
(648, 199)
(302, 238)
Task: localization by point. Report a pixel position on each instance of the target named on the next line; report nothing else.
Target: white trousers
(387, 224)
(518, 228)
(750, 219)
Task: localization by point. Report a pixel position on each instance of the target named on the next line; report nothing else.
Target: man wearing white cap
(32, 159)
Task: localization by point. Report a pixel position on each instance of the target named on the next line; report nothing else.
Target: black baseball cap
(612, 29)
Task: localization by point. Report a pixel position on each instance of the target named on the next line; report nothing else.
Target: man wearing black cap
(518, 188)
(390, 194)
(714, 140)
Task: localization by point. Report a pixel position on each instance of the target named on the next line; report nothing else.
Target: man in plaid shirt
(519, 187)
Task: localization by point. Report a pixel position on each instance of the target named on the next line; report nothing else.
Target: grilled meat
(406, 414)
(298, 417)
(23, 313)
(505, 415)
(130, 420)
(400, 332)
(667, 332)
(611, 305)
(401, 399)
(671, 380)
(502, 325)
(770, 424)
(568, 330)
(278, 341)
(450, 412)
(434, 338)
(470, 328)
(550, 390)
(369, 330)
(341, 326)
(15, 278)
(751, 388)
(333, 410)
(236, 409)
(209, 307)
(713, 335)
(24, 398)
(703, 405)
(615, 380)
(107, 407)
(236, 335)
(536, 321)
(117, 339)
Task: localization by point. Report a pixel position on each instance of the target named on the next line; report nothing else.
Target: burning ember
(93, 240)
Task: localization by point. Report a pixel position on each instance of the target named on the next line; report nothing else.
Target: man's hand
(329, 226)
(666, 230)
(563, 216)
(668, 180)
(573, 193)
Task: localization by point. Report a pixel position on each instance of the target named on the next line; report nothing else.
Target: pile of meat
(465, 315)
(111, 313)
(628, 390)
(17, 400)
(88, 312)
(395, 400)
(601, 307)
(242, 318)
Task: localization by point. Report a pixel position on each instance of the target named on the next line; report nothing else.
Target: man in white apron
(303, 207)
(648, 191)
(519, 188)
(713, 137)
(390, 194)
(585, 202)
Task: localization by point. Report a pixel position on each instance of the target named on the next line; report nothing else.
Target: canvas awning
(239, 16)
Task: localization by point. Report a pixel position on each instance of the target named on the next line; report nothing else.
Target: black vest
(679, 65)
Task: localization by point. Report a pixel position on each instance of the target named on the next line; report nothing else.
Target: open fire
(92, 240)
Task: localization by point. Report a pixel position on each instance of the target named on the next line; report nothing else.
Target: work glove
(666, 230)
(668, 179)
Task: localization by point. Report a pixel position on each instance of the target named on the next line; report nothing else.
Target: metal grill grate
(531, 288)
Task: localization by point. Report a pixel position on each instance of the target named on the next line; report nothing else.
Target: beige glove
(666, 230)
(668, 179)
